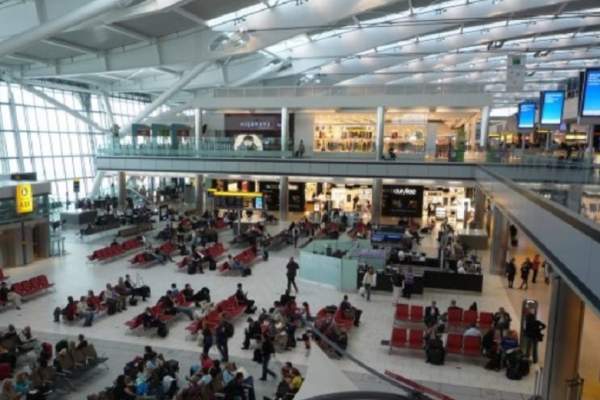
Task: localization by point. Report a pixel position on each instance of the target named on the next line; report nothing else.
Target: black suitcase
(162, 330)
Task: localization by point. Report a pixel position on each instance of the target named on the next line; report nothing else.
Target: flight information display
(553, 102)
(590, 101)
(526, 115)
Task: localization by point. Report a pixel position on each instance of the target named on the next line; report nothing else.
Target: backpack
(228, 329)
(513, 372)
(162, 330)
(133, 302)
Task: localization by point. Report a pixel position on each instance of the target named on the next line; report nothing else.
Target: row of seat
(455, 316)
(246, 257)
(215, 251)
(455, 343)
(159, 312)
(343, 322)
(116, 250)
(229, 306)
(33, 286)
(145, 258)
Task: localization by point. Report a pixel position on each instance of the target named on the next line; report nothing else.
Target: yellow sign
(24, 198)
(217, 193)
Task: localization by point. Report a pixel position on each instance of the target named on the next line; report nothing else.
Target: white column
(200, 203)
(485, 126)
(197, 127)
(379, 133)
(377, 198)
(122, 190)
(16, 128)
(285, 130)
(430, 140)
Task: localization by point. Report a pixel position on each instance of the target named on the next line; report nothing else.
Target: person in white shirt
(401, 255)
(369, 281)
(472, 331)
(460, 267)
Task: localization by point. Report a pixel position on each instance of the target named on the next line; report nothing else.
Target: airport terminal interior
(299, 199)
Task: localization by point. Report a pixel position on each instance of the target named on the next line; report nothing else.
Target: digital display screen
(553, 102)
(590, 101)
(526, 115)
(258, 203)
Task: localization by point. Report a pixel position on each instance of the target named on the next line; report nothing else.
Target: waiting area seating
(29, 288)
(135, 230)
(230, 306)
(158, 255)
(245, 258)
(115, 250)
(455, 317)
(159, 315)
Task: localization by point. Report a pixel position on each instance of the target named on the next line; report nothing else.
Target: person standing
(7, 295)
(207, 338)
(369, 281)
(533, 334)
(525, 268)
(409, 281)
(223, 333)
(267, 350)
(511, 271)
(535, 267)
(292, 270)
(397, 281)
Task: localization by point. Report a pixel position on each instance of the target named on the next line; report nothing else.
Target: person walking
(525, 268)
(511, 271)
(292, 270)
(535, 267)
(267, 350)
(207, 338)
(223, 333)
(397, 281)
(369, 281)
(533, 335)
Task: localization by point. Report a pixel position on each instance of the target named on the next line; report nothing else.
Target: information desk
(453, 281)
(384, 282)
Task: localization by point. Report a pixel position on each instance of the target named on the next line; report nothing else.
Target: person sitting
(472, 331)
(7, 295)
(350, 311)
(167, 305)
(143, 291)
(70, 311)
(112, 299)
(83, 311)
(502, 321)
(149, 320)
(242, 298)
(188, 292)
(122, 291)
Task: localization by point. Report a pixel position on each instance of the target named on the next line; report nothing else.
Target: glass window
(25, 144)
(6, 118)
(11, 146)
(14, 165)
(49, 168)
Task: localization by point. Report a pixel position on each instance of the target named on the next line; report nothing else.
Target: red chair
(398, 338)
(455, 316)
(401, 312)
(416, 313)
(469, 317)
(472, 345)
(454, 343)
(486, 320)
(415, 339)
(5, 371)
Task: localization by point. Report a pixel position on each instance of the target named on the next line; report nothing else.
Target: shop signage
(253, 122)
(402, 201)
(25, 176)
(24, 198)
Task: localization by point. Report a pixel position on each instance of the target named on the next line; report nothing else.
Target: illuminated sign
(526, 115)
(590, 97)
(24, 198)
(551, 112)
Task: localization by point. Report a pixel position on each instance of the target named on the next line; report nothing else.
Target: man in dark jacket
(511, 271)
(292, 270)
(534, 335)
(223, 333)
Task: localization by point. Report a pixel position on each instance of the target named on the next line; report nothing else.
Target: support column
(379, 133)
(285, 130)
(563, 342)
(200, 202)
(197, 127)
(430, 140)
(589, 151)
(283, 198)
(574, 197)
(122, 191)
(16, 128)
(377, 199)
(499, 242)
(479, 205)
(485, 126)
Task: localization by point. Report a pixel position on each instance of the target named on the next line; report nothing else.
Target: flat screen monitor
(590, 95)
(258, 203)
(526, 115)
(551, 112)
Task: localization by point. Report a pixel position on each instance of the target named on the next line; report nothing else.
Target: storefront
(404, 201)
(355, 132)
(454, 203)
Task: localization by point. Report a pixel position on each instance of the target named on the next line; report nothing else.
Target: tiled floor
(74, 276)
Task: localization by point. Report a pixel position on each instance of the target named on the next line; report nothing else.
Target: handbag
(361, 291)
